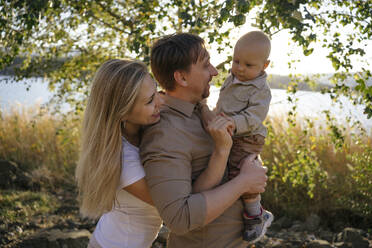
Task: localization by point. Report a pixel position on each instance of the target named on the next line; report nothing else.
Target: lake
(310, 104)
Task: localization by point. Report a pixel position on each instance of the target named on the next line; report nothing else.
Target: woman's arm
(140, 190)
(212, 175)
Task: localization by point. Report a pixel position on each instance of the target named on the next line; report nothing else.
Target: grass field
(325, 170)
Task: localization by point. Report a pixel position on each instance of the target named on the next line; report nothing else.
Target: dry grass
(311, 168)
(45, 145)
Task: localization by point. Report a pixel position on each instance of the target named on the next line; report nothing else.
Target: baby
(245, 98)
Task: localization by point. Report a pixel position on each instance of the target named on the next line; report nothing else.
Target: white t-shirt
(132, 222)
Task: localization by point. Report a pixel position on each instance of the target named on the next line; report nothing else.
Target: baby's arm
(212, 175)
(209, 115)
(252, 117)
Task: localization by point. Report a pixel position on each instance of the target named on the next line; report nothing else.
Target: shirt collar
(184, 107)
(258, 82)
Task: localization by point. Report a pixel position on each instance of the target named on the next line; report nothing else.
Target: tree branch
(109, 25)
(116, 16)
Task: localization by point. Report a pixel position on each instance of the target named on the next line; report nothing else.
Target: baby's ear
(266, 64)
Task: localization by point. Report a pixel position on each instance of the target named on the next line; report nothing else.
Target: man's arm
(252, 179)
(168, 174)
(212, 175)
(253, 116)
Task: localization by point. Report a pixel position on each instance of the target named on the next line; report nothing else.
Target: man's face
(198, 78)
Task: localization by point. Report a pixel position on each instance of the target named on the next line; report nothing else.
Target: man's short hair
(175, 52)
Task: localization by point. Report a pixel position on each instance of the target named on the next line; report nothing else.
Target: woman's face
(146, 106)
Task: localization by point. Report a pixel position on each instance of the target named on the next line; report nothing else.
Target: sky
(280, 48)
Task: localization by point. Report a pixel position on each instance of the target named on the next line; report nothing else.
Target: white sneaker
(256, 227)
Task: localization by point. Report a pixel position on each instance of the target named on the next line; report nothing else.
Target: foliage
(22, 205)
(361, 178)
(67, 40)
(307, 168)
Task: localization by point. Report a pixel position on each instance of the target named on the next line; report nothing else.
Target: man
(176, 150)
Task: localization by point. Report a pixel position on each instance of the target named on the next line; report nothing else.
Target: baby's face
(248, 62)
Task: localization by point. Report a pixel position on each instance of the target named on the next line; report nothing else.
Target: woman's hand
(219, 128)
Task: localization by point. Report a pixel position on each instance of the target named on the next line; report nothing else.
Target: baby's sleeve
(251, 118)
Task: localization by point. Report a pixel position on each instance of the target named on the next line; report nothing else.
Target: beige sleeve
(251, 118)
(167, 163)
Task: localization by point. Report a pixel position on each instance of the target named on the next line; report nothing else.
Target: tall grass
(324, 169)
(45, 145)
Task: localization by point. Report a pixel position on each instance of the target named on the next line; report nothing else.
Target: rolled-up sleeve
(167, 162)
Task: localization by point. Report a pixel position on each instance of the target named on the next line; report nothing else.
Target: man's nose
(213, 71)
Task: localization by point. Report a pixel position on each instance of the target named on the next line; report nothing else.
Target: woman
(109, 173)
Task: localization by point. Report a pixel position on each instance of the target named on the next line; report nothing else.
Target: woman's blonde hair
(114, 90)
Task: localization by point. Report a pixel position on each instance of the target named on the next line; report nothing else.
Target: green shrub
(312, 170)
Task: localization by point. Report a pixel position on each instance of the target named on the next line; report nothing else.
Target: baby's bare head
(256, 41)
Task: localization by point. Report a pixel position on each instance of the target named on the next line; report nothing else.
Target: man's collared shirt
(174, 152)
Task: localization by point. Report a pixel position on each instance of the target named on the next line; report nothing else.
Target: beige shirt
(174, 152)
(247, 103)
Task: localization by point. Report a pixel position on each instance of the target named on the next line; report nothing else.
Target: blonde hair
(115, 87)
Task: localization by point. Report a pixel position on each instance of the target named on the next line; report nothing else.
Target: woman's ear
(180, 79)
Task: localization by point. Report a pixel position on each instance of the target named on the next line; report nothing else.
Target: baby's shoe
(255, 227)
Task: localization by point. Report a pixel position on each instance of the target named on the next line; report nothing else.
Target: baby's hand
(231, 128)
(218, 129)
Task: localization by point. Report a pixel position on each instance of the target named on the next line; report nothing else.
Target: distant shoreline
(276, 81)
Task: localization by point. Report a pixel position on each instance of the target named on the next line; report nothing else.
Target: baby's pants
(241, 148)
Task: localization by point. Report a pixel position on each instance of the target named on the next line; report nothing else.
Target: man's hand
(254, 173)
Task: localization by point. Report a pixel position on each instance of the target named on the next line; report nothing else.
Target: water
(310, 104)
(16, 93)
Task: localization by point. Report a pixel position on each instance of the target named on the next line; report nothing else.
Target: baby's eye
(248, 65)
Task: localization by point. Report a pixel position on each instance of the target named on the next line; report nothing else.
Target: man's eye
(149, 102)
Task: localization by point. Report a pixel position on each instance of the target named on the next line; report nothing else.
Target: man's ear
(180, 79)
(266, 64)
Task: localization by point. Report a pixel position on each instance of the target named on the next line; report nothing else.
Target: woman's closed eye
(151, 99)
